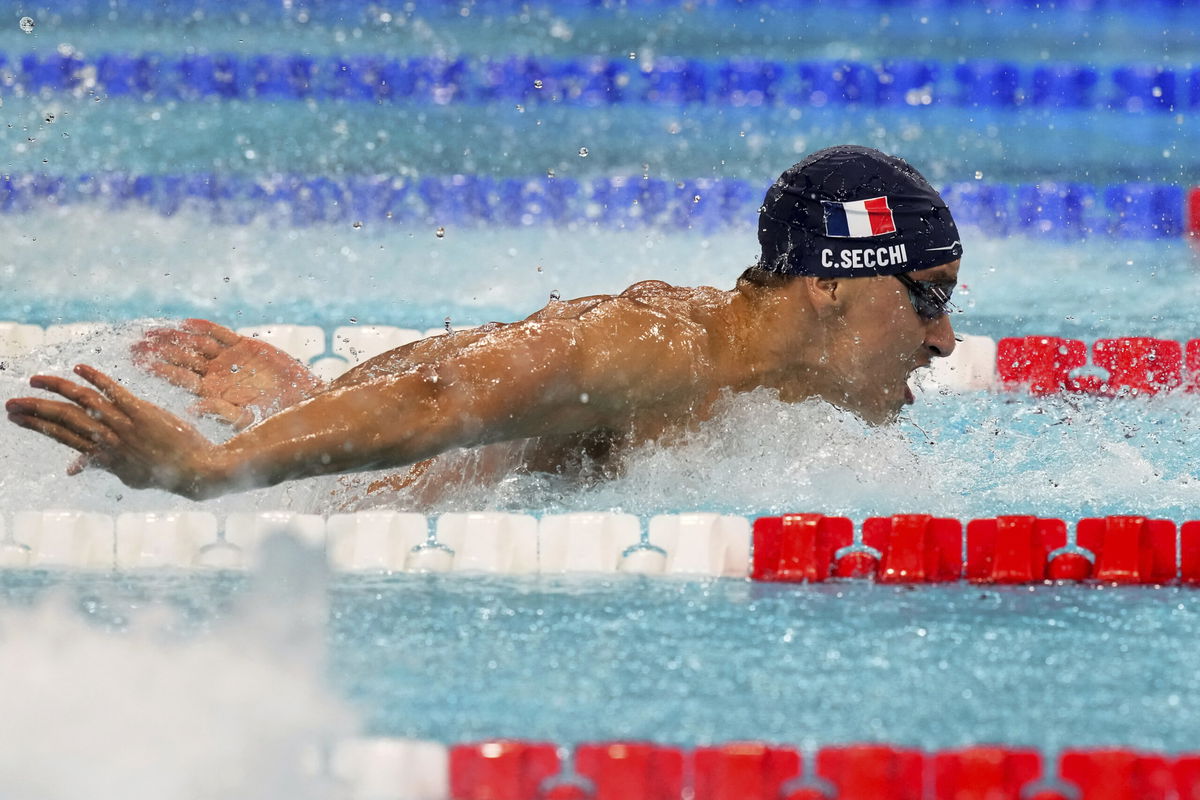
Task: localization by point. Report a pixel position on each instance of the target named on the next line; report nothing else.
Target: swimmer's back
(651, 314)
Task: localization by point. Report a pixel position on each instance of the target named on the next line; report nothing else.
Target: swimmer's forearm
(525, 389)
(354, 429)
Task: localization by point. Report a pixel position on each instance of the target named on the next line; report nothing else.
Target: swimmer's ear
(825, 294)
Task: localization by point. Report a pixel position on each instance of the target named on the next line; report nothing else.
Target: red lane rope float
(919, 548)
(514, 770)
(1193, 212)
(1136, 365)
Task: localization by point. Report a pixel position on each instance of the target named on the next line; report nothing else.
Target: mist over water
(130, 701)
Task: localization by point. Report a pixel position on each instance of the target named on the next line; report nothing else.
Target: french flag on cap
(858, 218)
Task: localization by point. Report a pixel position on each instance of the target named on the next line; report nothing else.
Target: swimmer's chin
(890, 416)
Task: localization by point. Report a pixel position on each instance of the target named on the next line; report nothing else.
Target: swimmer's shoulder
(576, 308)
(646, 303)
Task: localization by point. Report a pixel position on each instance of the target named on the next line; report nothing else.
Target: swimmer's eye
(930, 298)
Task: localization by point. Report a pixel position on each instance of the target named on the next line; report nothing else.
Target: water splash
(144, 711)
(976, 454)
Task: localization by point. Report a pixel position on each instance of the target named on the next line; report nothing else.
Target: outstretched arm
(523, 381)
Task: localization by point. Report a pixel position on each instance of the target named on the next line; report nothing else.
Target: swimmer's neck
(770, 337)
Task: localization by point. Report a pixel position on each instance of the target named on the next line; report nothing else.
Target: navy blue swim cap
(849, 211)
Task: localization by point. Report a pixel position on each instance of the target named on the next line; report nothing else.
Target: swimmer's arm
(529, 381)
(521, 381)
(555, 379)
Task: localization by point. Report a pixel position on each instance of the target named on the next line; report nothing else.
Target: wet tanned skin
(596, 372)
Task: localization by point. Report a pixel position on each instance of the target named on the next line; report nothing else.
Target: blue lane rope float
(1057, 210)
(590, 81)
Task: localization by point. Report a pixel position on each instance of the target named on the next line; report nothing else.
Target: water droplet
(26, 24)
(539, 267)
(49, 118)
(234, 367)
(354, 320)
(227, 279)
(696, 199)
(632, 56)
(583, 152)
(357, 224)
(446, 323)
(440, 232)
(550, 173)
(520, 108)
(537, 84)
(554, 295)
(978, 175)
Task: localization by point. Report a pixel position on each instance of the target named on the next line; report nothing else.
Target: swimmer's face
(881, 338)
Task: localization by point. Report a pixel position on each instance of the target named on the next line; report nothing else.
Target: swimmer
(849, 296)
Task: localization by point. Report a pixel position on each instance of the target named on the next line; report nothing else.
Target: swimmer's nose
(939, 337)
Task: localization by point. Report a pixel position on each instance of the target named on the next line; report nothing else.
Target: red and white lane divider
(794, 548)
(1042, 365)
(396, 769)
(917, 548)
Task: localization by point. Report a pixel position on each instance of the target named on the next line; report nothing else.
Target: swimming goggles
(930, 298)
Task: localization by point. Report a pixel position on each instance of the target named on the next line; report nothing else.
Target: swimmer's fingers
(237, 416)
(94, 405)
(218, 333)
(183, 378)
(63, 422)
(173, 354)
(58, 433)
(125, 401)
(159, 339)
(200, 343)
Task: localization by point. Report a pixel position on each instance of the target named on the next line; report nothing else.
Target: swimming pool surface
(687, 662)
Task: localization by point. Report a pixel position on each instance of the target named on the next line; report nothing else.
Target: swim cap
(849, 211)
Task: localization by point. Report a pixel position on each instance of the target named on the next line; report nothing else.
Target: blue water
(459, 659)
(684, 662)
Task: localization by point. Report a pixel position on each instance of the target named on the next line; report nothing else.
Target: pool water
(687, 662)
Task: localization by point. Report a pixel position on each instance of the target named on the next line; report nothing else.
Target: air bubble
(440, 232)
(537, 84)
(554, 295)
(446, 323)
(978, 175)
(583, 152)
(26, 24)
(234, 367)
(356, 225)
(550, 173)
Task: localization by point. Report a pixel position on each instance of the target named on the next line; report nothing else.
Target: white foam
(143, 714)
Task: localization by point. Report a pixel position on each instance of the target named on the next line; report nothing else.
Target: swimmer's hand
(115, 430)
(237, 379)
